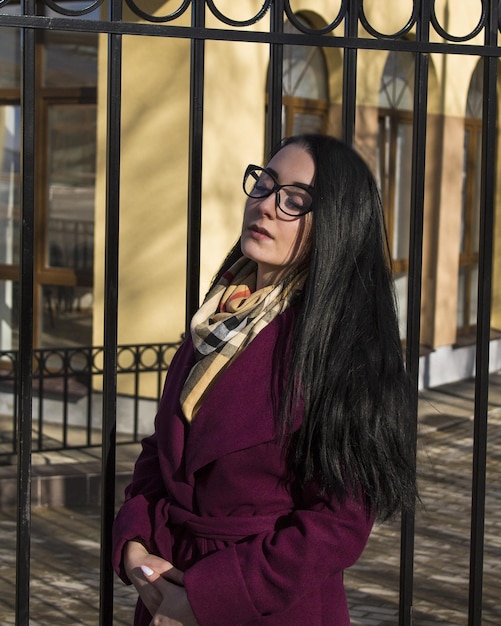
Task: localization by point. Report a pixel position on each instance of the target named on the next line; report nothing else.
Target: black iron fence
(422, 35)
(67, 395)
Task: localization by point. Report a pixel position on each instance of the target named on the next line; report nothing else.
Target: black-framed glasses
(293, 200)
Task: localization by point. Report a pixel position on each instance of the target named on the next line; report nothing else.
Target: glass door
(65, 157)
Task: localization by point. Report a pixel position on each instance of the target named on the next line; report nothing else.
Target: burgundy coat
(212, 498)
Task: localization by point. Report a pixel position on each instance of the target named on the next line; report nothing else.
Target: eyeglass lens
(292, 200)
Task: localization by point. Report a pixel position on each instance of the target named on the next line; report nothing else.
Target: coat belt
(229, 528)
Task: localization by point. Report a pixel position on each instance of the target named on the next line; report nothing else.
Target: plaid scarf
(232, 314)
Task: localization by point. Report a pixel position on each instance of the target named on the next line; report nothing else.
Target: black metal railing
(67, 394)
(423, 34)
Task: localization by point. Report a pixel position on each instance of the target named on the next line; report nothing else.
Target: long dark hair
(347, 369)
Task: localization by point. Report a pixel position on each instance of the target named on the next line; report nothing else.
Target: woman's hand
(135, 556)
(174, 608)
(160, 586)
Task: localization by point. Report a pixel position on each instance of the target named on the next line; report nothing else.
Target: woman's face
(274, 240)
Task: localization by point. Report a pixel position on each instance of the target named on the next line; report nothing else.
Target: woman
(284, 427)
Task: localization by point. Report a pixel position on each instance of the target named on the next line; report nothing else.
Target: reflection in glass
(70, 60)
(10, 64)
(9, 184)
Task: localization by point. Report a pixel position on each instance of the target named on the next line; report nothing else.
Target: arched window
(304, 89)
(470, 214)
(395, 158)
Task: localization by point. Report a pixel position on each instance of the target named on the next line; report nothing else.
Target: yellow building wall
(154, 176)
(153, 190)
(154, 166)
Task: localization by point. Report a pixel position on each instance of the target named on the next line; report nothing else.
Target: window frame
(44, 274)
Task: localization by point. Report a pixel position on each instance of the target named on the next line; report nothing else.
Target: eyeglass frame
(276, 189)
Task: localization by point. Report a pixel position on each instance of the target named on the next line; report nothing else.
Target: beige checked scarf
(232, 314)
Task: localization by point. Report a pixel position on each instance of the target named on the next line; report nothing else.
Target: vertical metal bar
(159, 367)
(197, 81)
(88, 385)
(110, 313)
(487, 200)
(39, 360)
(350, 75)
(65, 398)
(276, 72)
(414, 288)
(15, 427)
(137, 362)
(40, 394)
(25, 371)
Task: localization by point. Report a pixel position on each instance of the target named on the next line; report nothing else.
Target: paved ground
(65, 541)
(441, 564)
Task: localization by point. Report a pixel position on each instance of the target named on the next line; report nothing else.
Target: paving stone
(442, 550)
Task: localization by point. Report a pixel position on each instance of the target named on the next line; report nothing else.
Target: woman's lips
(259, 233)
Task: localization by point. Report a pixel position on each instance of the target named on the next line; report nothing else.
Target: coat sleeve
(265, 574)
(136, 518)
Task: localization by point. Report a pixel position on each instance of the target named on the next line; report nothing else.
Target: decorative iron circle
(458, 38)
(168, 350)
(73, 12)
(78, 356)
(293, 19)
(127, 359)
(158, 18)
(231, 22)
(397, 34)
(97, 360)
(149, 357)
(52, 362)
(10, 357)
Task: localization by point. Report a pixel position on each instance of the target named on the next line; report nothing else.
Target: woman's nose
(268, 205)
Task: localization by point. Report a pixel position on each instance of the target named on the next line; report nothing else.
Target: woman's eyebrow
(271, 171)
(274, 173)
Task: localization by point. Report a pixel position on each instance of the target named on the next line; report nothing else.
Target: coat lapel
(239, 411)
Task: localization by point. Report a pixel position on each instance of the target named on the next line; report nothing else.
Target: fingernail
(146, 570)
